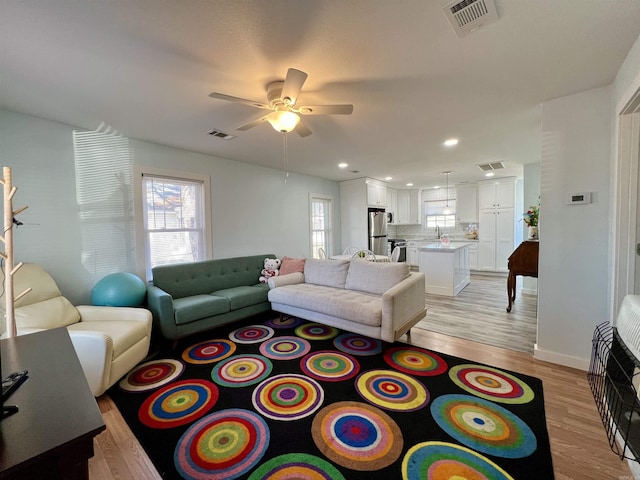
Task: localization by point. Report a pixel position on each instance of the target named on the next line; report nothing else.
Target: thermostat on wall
(579, 198)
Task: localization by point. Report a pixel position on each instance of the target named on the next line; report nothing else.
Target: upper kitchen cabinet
(499, 193)
(392, 202)
(408, 212)
(467, 203)
(376, 193)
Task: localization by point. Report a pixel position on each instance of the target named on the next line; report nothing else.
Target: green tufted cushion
(240, 297)
(190, 309)
(198, 278)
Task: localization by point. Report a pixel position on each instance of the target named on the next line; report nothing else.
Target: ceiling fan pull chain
(286, 157)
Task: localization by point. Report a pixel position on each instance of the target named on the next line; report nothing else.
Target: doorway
(626, 228)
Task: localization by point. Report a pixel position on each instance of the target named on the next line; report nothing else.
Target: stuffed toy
(270, 269)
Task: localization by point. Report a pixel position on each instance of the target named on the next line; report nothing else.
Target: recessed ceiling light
(388, 178)
(451, 142)
(343, 165)
(409, 184)
(489, 174)
(436, 187)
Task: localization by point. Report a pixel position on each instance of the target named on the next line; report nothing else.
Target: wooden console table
(523, 261)
(51, 436)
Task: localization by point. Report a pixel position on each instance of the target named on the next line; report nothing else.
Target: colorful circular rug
(296, 466)
(225, 444)
(491, 384)
(251, 334)
(241, 371)
(287, 322)
(288, 397)
(330, 366)
(178, 404)
(441, 460)
(483, 426)
(153, 374)
(285, 348)
(415, 361)
(357, 344)
(357, 436)
(209, 351)
(316, 331)
(392, 390)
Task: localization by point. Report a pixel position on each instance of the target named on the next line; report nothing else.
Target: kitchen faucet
(438, 232)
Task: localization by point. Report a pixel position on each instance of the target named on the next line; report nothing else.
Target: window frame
(139, 172)
(328, 220)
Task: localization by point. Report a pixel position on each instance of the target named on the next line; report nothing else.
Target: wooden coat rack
(7, 255)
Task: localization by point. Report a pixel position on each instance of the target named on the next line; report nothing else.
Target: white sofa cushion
(330, 273)
(356, 306)
(375, 277)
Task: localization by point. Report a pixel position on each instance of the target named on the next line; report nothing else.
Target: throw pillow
(291, 265)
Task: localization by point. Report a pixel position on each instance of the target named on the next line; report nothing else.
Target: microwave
(389, 217)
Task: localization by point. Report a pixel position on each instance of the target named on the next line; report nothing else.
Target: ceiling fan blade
(303, 130)
(229, 98)
(253, 124)
(292, 86)
(326, 110)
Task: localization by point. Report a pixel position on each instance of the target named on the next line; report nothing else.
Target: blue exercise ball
(121, 289)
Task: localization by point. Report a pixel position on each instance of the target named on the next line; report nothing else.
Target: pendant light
(447, 210)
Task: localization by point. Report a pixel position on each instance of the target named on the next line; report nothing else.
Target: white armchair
(109, 341)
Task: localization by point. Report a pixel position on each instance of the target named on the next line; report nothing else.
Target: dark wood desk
(523, 261)
(51, 436)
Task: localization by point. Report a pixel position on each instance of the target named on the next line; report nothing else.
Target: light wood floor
(478, 313)
(578, 443)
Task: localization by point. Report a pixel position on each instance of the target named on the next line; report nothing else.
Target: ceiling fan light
(283, 121)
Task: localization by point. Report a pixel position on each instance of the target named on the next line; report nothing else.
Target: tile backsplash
(418, 231)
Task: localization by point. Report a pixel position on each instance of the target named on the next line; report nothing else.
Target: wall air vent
(221, 134)
(466, 16)
(489, 167)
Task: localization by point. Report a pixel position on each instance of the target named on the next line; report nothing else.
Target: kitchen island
(445, 267)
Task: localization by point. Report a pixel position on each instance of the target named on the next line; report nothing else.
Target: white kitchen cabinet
(376, 193)
(467, 203)
(473, 255)
(499, 193)
(445, 268)
(412, 253)
(408, 207)
(392, 202)
(354, 209)
(497, 238)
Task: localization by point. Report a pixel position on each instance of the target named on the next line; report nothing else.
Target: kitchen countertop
(435, 240)
(439, 247)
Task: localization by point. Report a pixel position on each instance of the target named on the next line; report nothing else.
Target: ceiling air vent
(221, 134)
(468, 15)
(489, 167)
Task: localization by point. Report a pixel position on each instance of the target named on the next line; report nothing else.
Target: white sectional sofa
(379, 300)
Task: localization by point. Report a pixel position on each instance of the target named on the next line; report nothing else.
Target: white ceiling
(146, 67)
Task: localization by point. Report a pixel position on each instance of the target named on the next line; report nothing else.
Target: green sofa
(188, 298)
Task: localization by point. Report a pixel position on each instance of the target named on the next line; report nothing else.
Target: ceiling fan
(282, 97)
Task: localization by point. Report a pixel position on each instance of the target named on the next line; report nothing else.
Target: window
(175, 226)
(320, 216)
(434, 204)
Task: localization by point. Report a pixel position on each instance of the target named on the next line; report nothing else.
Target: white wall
(573, 268)
(253, 210)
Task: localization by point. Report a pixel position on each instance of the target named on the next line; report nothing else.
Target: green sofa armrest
(161, 305)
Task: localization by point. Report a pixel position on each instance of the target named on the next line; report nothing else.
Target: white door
(505, 194)
(505, 232)
(487, 240)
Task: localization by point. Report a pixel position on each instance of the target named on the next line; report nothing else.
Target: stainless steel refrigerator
(378, 231)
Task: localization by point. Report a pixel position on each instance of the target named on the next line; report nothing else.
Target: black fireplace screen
(614, 375)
